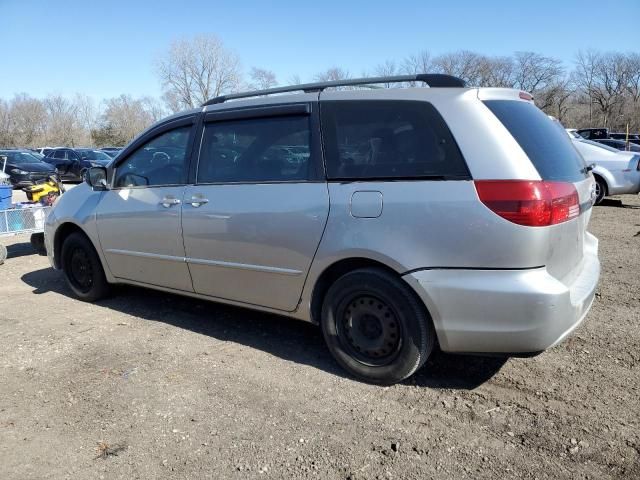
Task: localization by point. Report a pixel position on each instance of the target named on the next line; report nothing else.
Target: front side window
(161, 161)
(59, 154)
(255, 150)
(384, 139)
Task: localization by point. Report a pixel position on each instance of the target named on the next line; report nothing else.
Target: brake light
(533, 203)
(526, 96)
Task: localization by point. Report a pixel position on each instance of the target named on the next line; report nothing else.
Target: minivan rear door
(550, 151)
(254, 217)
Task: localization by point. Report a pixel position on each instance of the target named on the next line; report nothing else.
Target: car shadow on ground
(614, 202)
(20, 250)
(286, 338)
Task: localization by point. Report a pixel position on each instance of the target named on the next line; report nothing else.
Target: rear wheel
(82, 268)
(601, 190)
(375, 326)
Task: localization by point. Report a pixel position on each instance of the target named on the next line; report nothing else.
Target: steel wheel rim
(369, 329)
(80, 269)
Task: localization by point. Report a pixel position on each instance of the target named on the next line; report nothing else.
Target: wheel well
(332, 273)
(604, 182)
(62, 233)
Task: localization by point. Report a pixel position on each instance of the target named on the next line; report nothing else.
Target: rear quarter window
(386, 139)
(545, 143)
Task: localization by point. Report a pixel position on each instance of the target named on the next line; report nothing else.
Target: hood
(31, 167)
(594, 153)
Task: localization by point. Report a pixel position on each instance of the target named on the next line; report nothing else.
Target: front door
(139, 219)
(254, 218)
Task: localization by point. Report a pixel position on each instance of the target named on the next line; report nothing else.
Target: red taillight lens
(529, 202)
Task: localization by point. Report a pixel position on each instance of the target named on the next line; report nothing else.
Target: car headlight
(17, 171)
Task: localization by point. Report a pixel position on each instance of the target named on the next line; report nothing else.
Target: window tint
(388, 139)
(256, 150)
(60, 154)
(547, 146)
(161, 161)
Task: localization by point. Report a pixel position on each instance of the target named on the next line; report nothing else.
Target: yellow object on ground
(36, 192)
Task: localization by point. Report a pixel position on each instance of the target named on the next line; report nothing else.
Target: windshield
(94, 155)
(19, 157)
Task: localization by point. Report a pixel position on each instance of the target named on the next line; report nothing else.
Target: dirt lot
(149, 385)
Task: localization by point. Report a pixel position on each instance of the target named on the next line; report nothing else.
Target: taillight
(533, 203)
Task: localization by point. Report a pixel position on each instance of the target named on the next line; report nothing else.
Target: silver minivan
(394, 218)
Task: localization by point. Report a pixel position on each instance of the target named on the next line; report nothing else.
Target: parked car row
(618, 140)
(27, 167)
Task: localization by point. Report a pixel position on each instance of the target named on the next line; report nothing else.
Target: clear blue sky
(105, 48)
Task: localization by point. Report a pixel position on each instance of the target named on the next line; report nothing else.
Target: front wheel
(82, 268)
(375, 326)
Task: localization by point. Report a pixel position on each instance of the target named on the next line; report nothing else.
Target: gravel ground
(150, 385)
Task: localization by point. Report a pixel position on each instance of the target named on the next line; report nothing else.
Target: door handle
(198, 201)
(169, 201)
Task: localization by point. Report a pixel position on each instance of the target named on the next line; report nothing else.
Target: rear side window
(388, 140)
(545, 143)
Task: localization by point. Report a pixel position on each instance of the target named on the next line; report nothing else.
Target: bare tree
(418, 63)
(27, 120)
(295, 79)
(584, 75)
(554, 98)
(533, 72)
(5, 124)
(331, 74)
(261, 79)
(610, 84)
(62, 124)
(124, 117)
(387, 69)
(192, 71)
(473, 68)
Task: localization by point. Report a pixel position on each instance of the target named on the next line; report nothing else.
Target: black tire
(37, 242)
(601, 190)
(82, 268)
(376, 327)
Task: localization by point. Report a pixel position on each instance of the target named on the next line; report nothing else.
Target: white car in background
(616, 172)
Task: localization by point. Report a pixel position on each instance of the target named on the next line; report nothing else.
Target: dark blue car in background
(72, 163)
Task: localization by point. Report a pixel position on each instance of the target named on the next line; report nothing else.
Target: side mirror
(96, 177)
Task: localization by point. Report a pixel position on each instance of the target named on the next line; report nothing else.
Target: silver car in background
(616, 172)
(393, 218)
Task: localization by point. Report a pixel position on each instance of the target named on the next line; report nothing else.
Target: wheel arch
(62, 233)
(334, 271)
(601, 174)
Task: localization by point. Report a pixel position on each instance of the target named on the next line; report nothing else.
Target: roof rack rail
(431, 79)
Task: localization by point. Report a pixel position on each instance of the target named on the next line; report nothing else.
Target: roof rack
(431, 79)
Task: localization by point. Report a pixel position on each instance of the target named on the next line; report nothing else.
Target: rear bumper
(507, 311)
